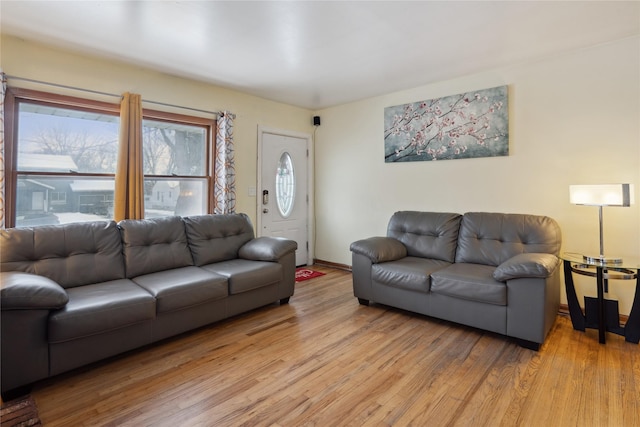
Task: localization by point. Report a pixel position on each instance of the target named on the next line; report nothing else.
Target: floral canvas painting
(468, 125)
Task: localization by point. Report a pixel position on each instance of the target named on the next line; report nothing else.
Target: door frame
(310, 183)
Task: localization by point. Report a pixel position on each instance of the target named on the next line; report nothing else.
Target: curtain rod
(61, 86)
(217, 113)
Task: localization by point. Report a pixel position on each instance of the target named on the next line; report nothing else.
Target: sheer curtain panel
(225, 172)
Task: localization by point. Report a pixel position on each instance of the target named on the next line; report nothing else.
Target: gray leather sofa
(493, 271)
(76, 293)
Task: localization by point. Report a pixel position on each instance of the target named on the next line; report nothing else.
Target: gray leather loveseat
(493, 271)
(76, 293)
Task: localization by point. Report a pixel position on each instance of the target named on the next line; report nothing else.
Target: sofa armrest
(380, 249)
(25, 291)
(267, 248)
(538, 265)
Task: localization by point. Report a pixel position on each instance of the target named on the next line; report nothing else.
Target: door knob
(265, 210)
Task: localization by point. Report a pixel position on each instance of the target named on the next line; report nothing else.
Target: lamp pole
(601, 259)
(601, 235)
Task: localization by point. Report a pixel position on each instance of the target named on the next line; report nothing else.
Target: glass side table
(601, 313)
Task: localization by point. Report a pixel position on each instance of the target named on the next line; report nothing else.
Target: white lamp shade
(602, 194)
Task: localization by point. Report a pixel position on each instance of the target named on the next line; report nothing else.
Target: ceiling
(317, 54)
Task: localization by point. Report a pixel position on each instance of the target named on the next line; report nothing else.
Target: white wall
(573, 119)
(39, 62)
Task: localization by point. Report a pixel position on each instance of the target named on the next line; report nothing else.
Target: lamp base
(601, 259)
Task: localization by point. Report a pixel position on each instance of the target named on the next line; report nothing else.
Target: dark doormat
(19, 412)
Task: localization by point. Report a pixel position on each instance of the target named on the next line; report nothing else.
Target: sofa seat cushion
(472, 282)
(183, 287)
(411, 273)
(244, 275)
(99, 308)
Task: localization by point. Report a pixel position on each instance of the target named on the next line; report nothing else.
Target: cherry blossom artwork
(468, 125)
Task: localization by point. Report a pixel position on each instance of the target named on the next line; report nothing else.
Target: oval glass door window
(285, 185)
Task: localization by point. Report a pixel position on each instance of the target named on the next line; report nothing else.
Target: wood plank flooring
(324, 360)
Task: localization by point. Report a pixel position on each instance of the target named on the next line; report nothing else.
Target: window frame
(15, 96)
(210, 131)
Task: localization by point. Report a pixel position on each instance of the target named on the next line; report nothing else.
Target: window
(285, 185)
(177, 164)
(58, 198)
(61, 156)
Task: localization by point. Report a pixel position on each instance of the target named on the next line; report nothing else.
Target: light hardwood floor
(324, 360)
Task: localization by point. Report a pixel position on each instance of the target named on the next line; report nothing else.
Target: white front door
(283, 202)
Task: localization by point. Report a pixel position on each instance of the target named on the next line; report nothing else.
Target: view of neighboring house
(164, 196)
(40, 198)
(45, 199)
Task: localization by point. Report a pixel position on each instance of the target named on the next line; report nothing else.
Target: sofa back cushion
(426, 234)
(215, 238)
(155, 244)
(492, 238)
(72, 255)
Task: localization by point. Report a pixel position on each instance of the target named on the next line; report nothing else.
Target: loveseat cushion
(155, 244)
(492, 238)
(426, 234)
(411, 273)
(244, 275)
(71, 255)
(214, 238)
(472, 282)
(183, 287)
(100, 308)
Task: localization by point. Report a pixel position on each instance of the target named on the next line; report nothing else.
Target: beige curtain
(129, 190)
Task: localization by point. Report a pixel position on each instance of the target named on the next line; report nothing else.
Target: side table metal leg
(632, 328)
(602, 323)
(577, 318)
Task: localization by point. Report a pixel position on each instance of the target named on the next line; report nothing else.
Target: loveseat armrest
(26, 291)
(380, 249)
(536, 265)
(267, 248)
